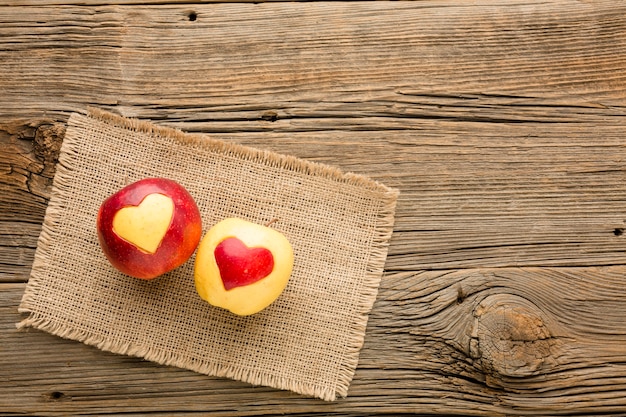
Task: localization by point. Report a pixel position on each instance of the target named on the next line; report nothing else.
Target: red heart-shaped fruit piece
(240, 265)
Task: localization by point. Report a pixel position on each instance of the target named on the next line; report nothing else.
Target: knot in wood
(509, 337)
(47, 144)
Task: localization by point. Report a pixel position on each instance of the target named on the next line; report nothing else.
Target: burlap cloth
(308, 341)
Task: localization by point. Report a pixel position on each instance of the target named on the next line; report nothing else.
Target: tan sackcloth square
(307, 341)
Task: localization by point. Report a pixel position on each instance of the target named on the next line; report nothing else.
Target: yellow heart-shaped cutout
(145, 225)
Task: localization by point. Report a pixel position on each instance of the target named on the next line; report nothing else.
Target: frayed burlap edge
(59, 194)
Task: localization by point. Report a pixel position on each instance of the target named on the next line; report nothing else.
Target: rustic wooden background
(502, 123)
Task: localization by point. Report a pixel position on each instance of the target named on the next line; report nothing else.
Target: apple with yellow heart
(242, 266)
(149, 227)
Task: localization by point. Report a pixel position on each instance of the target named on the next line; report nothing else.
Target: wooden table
(502, 123)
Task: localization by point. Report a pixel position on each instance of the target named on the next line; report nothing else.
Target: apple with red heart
(149, 227)
(242, 266)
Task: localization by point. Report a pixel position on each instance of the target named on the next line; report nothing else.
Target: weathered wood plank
(151, 61)
(477, 195)
(523, 341)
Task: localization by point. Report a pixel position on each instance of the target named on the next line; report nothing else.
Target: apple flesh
(242, 266)
(149, 228)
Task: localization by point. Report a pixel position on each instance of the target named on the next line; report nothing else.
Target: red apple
(149, 227)
(242, 266)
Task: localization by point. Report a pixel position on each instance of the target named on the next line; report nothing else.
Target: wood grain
(502, 124)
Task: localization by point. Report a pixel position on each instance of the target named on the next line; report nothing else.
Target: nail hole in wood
(270, 116)
(192, 16)
(618, 231)
(56, 395)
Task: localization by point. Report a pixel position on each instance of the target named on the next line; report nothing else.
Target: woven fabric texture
(307, 341)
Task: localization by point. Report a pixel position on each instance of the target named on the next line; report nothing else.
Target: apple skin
(178, 243)
(245, 298)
